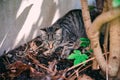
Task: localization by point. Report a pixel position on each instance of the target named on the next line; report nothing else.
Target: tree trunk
(87, 23)
(114, 58)
(86, 15)
(93, 34)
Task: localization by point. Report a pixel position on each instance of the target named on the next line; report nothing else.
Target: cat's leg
(70, 46)
(66, 51)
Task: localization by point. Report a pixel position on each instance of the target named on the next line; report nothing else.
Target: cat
(64, 32)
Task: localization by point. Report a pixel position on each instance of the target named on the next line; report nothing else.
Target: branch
(104, 18)
(85, 14)
(93, 34)
(87, 22)
(114, 56)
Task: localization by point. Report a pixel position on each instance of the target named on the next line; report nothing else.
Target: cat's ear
(59, 31)
(42, 32)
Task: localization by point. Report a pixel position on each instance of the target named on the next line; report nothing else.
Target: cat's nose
(51, 45)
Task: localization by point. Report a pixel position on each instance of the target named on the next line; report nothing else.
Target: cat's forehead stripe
(51, 30)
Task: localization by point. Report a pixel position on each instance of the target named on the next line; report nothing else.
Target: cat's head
(51, 38)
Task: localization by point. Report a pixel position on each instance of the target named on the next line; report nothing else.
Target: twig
(85, 68)
(74, 72)
(80, 70)
(37, 63)
(83, 62)
(24, 52)
(106, 56)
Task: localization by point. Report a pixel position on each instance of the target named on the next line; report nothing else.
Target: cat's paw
(47, 53)
(65, 53)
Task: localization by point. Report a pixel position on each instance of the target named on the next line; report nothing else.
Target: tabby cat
(66, 30)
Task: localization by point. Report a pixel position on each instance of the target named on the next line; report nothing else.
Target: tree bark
(86, 15)
(87, 23)
(94, 34)
(114, 58)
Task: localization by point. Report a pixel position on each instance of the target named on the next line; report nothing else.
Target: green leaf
(77, 61)
(77, 52)
(80, 59)
(84, 56)
(116, 3)
(74, 55)
(91, 50)
(84, 42)
(84, 39)
(77, 56)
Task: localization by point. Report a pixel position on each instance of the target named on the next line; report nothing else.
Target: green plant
(84, 42)
(77, 55)
(116, 3)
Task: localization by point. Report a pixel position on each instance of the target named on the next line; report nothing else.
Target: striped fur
(68, 28)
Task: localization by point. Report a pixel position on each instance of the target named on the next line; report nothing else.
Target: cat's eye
(44, 38)
(57, 37)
